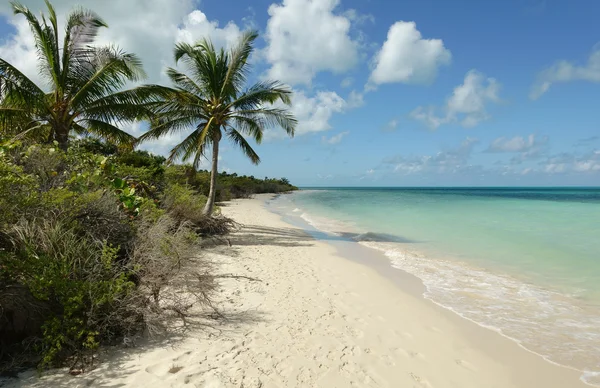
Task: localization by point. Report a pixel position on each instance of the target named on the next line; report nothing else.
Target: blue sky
(393, 93)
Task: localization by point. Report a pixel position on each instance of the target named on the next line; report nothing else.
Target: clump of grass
(175, 368)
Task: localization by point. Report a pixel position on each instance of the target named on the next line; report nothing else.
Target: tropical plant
(84, 83)
(212, 101)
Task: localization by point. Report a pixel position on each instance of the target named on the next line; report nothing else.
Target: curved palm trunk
(61, 134)
(210, 204)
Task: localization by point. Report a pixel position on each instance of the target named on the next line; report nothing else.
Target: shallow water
(524, 262)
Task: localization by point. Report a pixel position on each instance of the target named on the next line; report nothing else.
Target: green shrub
(78, 277)
(18, 191)
(183, 204)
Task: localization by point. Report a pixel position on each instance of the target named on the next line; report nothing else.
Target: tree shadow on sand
(293, 237)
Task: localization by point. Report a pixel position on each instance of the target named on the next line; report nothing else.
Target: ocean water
(523, 262)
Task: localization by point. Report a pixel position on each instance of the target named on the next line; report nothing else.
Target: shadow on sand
(293, 237)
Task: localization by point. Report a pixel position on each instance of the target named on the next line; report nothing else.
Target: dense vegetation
(98, 242)
(91, 240)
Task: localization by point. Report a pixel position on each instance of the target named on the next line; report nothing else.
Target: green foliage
(18, 191)
(85, 81)
(94, 235)
(184, 204)
(212, 100)
(88, 237)
(78, 274)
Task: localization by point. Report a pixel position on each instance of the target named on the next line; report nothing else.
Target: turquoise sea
(522, 261)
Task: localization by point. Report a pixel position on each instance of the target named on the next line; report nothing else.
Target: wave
(561, 328)
(555, 326)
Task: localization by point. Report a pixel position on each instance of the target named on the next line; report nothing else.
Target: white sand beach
(298, 314)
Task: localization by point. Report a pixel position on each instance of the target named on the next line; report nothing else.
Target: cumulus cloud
(573, 163)
(150, 31)
(347, 82)
(565, 71)
(408, 58)
(305, 37)
(517, 143)
(392, 125)
(467, 105)
(449, 161)
(313, 113)
(355, 99)
(336, 139)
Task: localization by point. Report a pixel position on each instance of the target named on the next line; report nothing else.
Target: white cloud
(150, 31)
(358, 18)
(392, 125)
(466, 105)
(19, 50)
(408, 58)
(586, 165)
(355, 99)
(196, 25)
(574, 163)
(347, 82)
(336, 139)
(450, 161)
(313, 113)
(517, 143)
(305, 37)
(555, 168)
(565, 71)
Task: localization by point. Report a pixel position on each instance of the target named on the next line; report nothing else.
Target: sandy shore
(301, 315)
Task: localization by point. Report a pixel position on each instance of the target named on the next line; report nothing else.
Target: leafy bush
(100, 243)
(79, 278)
(184, 204)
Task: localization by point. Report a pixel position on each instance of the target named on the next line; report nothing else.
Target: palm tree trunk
(62, 137)
(210, 204)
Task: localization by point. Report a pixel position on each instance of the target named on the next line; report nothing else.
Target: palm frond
(239, 140)
(81, 30)
(107, 131)
(162, 127)
(190, 146)
(250, 126)
(238, 67)
(207, 67)
(109, 71)
(15, 84)
(184, 82)
(262, 93)
(45, 43)
(271, 117)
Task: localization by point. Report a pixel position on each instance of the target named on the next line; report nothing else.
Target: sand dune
(297, 314)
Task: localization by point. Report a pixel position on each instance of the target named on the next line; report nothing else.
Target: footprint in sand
(407, 335)
(183, 358)
(421, 381)
(388, 360)
(434, 329)
(465, 364)
(409, 353)
(158, 370)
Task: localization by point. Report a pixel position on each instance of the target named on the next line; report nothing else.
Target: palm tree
(211, 100)
(84, 82)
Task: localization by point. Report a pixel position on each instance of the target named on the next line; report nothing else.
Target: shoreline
(379, 258)
(411, 284)
(303, 312)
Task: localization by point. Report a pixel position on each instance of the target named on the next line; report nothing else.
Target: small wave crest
(553, 325)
